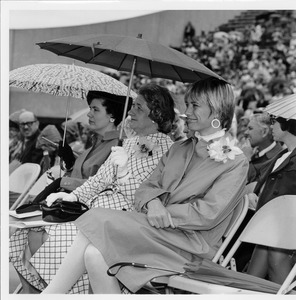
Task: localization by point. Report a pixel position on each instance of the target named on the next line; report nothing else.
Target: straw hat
(284, 107)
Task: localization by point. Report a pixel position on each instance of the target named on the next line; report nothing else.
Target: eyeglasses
(273, 119)
(29, 124)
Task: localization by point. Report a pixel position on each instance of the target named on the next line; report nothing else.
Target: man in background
(29, 129)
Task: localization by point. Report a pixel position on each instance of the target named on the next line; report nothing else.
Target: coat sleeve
(205, 213)
(152, 187)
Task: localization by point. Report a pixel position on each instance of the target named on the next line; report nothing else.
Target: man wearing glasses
(29, 128)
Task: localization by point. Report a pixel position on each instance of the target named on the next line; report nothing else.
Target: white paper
(25, 215)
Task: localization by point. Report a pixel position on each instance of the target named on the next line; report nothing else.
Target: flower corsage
(223, 150)
(145, 148)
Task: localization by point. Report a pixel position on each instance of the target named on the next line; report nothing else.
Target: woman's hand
(61, 195)
(158, 216)
(253, 200)
(119, 157)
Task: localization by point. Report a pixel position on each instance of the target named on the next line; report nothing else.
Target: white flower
(223, 149)
(144, 148)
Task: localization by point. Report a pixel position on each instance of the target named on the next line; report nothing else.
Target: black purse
(63, 211)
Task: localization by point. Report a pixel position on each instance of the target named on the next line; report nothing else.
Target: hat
(110, 97)
(51, 133)
(284, 107)
(14, 117)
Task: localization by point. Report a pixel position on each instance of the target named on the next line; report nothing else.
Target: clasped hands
(158, 216)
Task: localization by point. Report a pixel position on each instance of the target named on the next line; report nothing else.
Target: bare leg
(97, 268)
(280, 263)
(258, 263)
(71, 268)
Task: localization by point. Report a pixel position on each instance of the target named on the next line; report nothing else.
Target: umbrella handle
(127, 98)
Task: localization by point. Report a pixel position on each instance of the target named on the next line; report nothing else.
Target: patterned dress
(40, 268)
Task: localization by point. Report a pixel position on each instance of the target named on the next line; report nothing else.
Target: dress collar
(210, 137)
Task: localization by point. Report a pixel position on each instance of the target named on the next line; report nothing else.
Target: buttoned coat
(200, 195)
(260, 164)
(281, 181)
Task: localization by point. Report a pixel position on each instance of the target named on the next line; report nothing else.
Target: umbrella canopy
(284, 107)
(120, 52)
(65, 80)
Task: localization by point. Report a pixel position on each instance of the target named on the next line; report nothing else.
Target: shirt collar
(262, 152)
(210, 137)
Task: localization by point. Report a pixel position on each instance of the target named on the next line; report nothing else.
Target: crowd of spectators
(260, 62)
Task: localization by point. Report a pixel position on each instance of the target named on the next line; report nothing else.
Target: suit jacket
(281, 181)
(258, 165)
(30, 153)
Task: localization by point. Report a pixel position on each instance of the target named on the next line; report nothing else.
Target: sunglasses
(29, 124)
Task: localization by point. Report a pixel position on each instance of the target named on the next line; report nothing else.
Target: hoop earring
(112, 120)
(218, 123)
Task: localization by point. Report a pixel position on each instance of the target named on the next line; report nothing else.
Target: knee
(92, 257)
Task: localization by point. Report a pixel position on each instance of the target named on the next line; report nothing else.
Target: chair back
(22, 179)
(41, 183)
(237, 217)
(274, 224)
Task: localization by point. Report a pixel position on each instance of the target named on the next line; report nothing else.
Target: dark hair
(287, 125)
(114, 104)
(218, 95)
(161, 105)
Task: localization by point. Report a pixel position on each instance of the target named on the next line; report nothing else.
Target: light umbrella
(284, 107)
(65, 80)
(131, 54)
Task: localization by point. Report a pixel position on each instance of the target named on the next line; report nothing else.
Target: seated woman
(182, 210)
(152, 115)
(273, 263)
(105, 115)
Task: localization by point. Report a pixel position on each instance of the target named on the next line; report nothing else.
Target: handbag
(63, 211)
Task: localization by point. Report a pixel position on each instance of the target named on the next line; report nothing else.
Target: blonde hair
(218, 95)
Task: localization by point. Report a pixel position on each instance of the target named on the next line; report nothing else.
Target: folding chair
(274, 225)
(22, 179)
(41, 183)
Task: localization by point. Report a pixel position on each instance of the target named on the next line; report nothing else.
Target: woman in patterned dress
(182, 210)
(152, 115)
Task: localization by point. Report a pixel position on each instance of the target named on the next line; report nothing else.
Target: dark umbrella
(135, 55)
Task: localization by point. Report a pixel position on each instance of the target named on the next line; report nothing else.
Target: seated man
(260, 136)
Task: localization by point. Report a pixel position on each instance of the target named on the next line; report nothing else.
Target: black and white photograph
(148, 148)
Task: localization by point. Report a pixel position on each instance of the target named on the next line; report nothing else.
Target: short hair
(219, 96)
(114, 104)
(287, 125)
(263, 119)
(161, 105)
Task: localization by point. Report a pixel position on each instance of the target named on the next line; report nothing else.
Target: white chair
(273, 225)
(22, 179)
(41, 183)
(238, 216)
